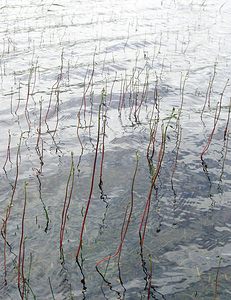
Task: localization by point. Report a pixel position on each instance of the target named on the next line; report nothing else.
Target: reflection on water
(115, 154)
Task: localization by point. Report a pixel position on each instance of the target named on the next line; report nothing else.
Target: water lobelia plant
(126, 220)
(66, 205)
(156, 171)
(216, 119)
(21, 254)
(92, 177)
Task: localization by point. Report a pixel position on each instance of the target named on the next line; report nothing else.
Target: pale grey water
(52, 45)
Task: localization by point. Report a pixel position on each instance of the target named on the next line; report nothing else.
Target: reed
(145, 214)
(208, 92)
(28, 288)
(142, 98)
(225, 147)
(126, 220)
(151, 145)
(66, 205)
(178, 131)
(80, 142)
(104, 120)
(51, 288)
(153, 125)
(92, 179)
(216, 119)
(43, 203)
(40, 140)
(19, 98)
(55, 90)
(150, 277)
(216, 286)
(103, 196)
(8, 210)
(8, 153)
(87, 87)
(26, 112)
(21, 255)
(177, 149)
(57, 94)
(226, 131)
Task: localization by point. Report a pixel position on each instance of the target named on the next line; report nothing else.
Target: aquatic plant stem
(8, 209)
(144, 219)
(145, 214)
(126, 220)
(92, 183)
(104, 118)
(150, 277)
(66, 205)
(216, 280)
(216, 119)
(21, 254)
(8, 155)
(209, 90)
(226, 131)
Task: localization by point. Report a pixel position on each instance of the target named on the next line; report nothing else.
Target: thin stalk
(208, 91)
(8, 210)
(216, 280)
(145, 214)
(66, 205)
(52, 292)
(8, 155)
(92, 183)
(126, 220)
(27, 98)
(149, 277)
(216, 119)
(227, 123)
(21, 254)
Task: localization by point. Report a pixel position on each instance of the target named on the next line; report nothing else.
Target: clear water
(59, 60)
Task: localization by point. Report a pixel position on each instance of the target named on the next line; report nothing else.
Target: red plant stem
(121, 96)
(84, 103)
(55, 86)
(7, 153)
(144, 219)
(216, 119)
(27, 98)
(143, 96)
(104, 116)
(80, 142)
(37, 147)
(91, 188)
(67, 202)
(153, 126)
(227, 123)
(39, 125)
(126, 220)
(209, 90)
(21, 254)
(8, 210)
(55, 89)
(152, 140)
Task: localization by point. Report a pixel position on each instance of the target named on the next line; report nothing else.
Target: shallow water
(84, 78)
